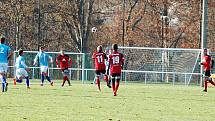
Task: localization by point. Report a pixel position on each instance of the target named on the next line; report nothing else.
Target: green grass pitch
(82, 102)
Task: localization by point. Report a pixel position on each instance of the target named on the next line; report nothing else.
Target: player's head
(205, 51)
(21, 52)
(115, 47)
(99, 48)
(107, 51)
(2, 40)
(42, 48)
(62, 52)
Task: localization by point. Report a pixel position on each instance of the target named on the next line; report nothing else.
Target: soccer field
(82, 102)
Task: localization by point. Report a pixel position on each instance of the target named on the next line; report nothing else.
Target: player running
(207, 63)
(65, 63)
(21, 68)
(99, 58)
(5, 54)
(116, 62)
(43, 62)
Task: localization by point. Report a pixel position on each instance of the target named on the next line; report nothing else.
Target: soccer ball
(94, 29)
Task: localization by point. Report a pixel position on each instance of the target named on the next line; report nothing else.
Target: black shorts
(207, 73)
(116, 76)
(98, 72)
(65, 71)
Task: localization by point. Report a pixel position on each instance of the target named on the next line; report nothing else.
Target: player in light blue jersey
(5, 54)
(21, 68)
(43, 62)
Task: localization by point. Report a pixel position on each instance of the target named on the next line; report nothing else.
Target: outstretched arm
(35, 59)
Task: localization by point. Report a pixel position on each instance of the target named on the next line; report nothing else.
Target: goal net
(162, 65)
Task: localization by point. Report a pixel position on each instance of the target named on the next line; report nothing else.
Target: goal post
(162, 65)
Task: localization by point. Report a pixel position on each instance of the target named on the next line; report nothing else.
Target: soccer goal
(162, 65)
(78, 69)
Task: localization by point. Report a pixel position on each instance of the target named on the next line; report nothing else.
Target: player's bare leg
(98, 82)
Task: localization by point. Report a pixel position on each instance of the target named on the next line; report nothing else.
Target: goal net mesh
(169, 65)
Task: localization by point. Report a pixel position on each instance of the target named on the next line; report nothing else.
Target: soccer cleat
(51, 83)
(114, 94)
(28, 87)
(6, 88)
(108, 85)
(204, 90)
(41, 84)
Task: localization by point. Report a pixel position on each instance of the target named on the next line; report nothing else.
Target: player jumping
(43, 62)
(116, 62)
(5, 54)
(65, 63)
(21, 68)
(99, 60)
(207, 63)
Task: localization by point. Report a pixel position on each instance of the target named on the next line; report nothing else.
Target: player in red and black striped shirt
(99, 58)
(207, 63)
(65, 63)
(116, 62)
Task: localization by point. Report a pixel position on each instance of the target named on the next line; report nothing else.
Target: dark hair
(20, 51)
(42, 47)
(2, 40)
(114, 46)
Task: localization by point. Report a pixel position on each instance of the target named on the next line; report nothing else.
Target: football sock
(68, 82)
(3, 85)
(42, 78)
(206, 85)
(98, 83)
(4, 82)
(27, 81)
(18, 80)
(113, 85)
(48, 78)
(212, 82)
(117, 85)
(106, 79)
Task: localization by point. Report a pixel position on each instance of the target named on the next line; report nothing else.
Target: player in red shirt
(207, 63)
(99, 58)
(116, 62)
(65, 63)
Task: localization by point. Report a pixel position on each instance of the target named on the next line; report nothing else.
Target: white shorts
(43, 69)
(3, 67)
(21, 72)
